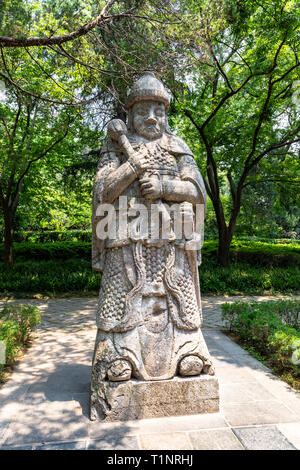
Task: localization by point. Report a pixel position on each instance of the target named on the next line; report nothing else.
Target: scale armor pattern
(185, 282)
(114, 287)
(160, 158)
(154, 258)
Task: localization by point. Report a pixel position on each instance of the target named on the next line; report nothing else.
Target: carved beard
(150, 131)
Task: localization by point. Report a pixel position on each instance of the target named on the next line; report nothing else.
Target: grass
(270, 331)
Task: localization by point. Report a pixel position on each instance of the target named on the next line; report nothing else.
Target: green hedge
(49, 277)
(16, 324)
(53, 236)
(48, 251)
(65, 268)
(272, 330)
(243, 278)
(252, 253)
(258, 253)
(75, 276)
(45, 236)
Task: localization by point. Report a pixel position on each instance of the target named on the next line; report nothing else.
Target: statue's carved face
(149, 119)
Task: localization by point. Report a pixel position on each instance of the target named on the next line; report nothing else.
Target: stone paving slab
(292, 432)
(166, 441)
(125, 443)
(216, 439)
(44, 405)
(76, 445)
(263, 438)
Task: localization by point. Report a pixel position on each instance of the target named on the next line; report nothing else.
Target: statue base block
(134, 399)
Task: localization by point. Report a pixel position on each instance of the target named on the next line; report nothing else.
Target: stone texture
(118, 430)
(3, 428)
(123, 443)
(292, 432)
(260, 412)
(141, 399)
(76, 445)
(47, 422)
(17, 448)
(217, 439)
(165, 441)
(263, 438)
(244, 393)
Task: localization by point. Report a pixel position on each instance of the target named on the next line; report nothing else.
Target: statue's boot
(190, 365)
(119, 370)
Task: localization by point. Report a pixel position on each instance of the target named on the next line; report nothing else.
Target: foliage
(63, 245)
(38, 142)
(53, 236)
(259, 253)
(238, 108)
(271, 204)
(233, 70)
(243, 278)
(16, 324)
(57, 250)
(57, 268)
(49, 277)
(272, 329)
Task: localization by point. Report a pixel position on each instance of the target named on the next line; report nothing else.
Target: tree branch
(47, 74)
(43, 98)
(66, 54)
(273, 180)
(212, 172)
(6, 129)
(52, 40)
(232, 186)
(22, 176)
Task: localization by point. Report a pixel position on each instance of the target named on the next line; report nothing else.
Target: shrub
(269, 328)
(65, 267)
(76, 276)
(47, 251)
(53, 236)
(250, 252)
(16, 323)
(239, 278)
(258, 253)
(50, 277)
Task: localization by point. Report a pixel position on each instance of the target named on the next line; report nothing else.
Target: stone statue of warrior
(149, 311)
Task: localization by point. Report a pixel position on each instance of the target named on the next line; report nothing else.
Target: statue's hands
(187, 212)
(116, 129)
(151, 188)
(138, 161)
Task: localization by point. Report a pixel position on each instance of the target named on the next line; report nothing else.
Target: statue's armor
(149, 291)
(117, 309)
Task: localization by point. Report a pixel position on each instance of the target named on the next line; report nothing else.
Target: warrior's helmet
(147, 88)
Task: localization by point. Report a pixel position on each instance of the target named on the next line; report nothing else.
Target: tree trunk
(8, 236)
(225, 234)
(224, 247)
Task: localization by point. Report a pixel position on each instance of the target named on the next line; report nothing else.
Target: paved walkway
(44, 405)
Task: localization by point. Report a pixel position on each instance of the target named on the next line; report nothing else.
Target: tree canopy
(232, 68)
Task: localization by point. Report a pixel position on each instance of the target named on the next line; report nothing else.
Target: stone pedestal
(134, 399)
